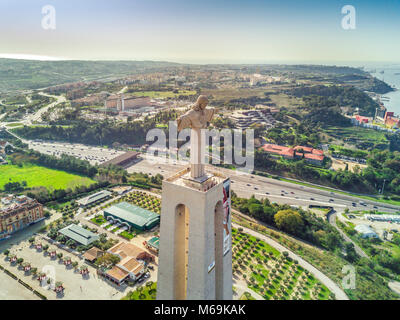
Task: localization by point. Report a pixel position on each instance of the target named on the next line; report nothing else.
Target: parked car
(140, 280)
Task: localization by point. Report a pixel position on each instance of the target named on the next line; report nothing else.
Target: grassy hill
(29, 74)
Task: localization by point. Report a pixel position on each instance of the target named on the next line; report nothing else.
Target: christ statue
(197, 119)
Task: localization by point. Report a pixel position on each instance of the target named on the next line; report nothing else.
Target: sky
(202, 31)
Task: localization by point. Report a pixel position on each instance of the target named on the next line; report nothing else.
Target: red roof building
(305, 149)
(361, 119)
(310, 154)
(279, 150)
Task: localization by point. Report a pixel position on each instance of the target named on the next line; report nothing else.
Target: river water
(391, 76)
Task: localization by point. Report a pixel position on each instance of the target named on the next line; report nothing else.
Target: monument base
(195, 260)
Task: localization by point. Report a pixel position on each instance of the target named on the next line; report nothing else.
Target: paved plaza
(76, 286)
(12, 290)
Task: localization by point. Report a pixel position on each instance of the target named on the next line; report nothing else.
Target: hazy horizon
(210, 32)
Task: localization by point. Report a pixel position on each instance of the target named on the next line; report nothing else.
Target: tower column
(195, 253)
(197, 145)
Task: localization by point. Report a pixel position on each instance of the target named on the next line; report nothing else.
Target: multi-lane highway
(246, 185)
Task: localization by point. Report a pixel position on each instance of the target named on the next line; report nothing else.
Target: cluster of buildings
(311, 155)
(257, 78)
(387, 118)
(132, 259)
(383, 120)
(18, 212)
(245, 118)
(131, 265)
(122, 104)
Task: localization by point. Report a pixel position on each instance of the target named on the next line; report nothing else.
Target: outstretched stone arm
(209, 114)
(183, 122)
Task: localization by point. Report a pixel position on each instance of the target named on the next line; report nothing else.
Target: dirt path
(332, 221)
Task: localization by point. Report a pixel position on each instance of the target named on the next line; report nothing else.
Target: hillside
(30, 74)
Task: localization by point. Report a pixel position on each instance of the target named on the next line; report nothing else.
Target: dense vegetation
(93, 133)
(297, 222)
(383, 167)
(302, 134)
(330, 98)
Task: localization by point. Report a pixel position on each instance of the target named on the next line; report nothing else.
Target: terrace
(202, 184)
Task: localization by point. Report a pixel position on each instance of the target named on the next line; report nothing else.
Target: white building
(366, 231)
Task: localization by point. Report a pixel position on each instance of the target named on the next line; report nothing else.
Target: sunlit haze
(235, 31)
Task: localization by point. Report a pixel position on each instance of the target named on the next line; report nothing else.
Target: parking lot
(94, 155)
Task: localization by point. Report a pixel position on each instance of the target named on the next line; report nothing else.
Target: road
(332, 286)
(332, 220)
(282, 192)
(36, 117)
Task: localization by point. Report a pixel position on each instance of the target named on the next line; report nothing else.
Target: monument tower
(195, 258)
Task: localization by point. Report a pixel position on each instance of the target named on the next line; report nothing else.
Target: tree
(71, 243)
(351, 254)
(107, 260)
(289, 221)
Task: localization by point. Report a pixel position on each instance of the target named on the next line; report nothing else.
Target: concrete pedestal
(195, 257)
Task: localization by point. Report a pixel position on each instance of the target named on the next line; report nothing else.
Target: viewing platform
(210, 179)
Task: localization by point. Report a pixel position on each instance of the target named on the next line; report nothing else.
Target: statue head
(201, 103)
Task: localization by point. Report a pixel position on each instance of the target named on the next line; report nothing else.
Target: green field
(37, 176)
